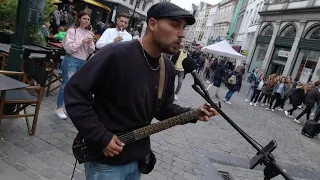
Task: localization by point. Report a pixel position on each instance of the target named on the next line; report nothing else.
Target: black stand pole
(263, 155)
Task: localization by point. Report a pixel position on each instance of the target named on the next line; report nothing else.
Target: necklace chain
(145, 57)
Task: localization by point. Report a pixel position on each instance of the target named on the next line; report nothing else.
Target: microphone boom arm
(263, 155)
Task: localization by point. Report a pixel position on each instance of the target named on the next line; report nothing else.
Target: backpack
(232, 80)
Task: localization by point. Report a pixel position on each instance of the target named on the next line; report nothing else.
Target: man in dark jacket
(312, 97)
(125, 94)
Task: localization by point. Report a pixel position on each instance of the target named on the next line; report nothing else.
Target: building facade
(288, 40)
(249, 25)
(199, 32)
(223, 18)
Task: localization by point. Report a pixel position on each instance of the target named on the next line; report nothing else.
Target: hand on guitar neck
(114, 147)
(208, 112)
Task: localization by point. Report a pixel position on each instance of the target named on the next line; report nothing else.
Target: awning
(97, 4)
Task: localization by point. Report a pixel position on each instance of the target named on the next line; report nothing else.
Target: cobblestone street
(192, 151)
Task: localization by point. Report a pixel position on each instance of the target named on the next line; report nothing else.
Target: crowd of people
(273, 92)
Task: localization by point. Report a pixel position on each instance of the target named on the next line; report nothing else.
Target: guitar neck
(165, 124)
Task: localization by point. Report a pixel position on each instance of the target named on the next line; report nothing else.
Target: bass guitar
(84, 152)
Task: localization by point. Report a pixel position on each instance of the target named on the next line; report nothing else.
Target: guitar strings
(129, 138)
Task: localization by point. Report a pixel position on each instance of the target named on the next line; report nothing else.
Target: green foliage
(8, 13)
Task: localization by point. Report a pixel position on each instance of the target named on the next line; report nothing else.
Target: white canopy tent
(223, 48)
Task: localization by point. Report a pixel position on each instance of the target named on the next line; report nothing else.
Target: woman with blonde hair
(278, 93)
(78, 44)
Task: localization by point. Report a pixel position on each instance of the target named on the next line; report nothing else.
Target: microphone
(190, 66)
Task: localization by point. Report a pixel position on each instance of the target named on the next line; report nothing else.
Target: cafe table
(7, 83)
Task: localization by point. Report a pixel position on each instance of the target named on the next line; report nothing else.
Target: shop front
(306, 67)
(283, 45)
(262, 44)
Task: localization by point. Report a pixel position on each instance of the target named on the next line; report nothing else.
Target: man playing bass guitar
(116, 91)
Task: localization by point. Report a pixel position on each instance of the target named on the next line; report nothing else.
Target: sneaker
(262, 104)
(290, 116)
(60, 113)
(272, 110)
(251, 103)
(296, 121)
(175, 97)
(255, 104)
(246, 100)
(312, 114)
(267, 108)
(208, 81)
(280, 109)
(228, 102)
(224, 100)
(286, 113)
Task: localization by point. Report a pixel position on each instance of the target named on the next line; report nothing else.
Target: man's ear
(152, 23)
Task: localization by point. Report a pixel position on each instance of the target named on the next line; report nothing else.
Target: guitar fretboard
(165, 124)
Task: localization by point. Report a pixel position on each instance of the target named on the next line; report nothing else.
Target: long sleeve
(104, 39)
(70, 43)
(91, 48)
(79, 100)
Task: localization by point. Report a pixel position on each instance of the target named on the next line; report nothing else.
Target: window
(131, 2)
(267, 30)
(313, 33)
(288, 31)
(138, 4)
(144, 5)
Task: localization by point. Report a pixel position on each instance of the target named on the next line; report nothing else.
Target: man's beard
(165, 48)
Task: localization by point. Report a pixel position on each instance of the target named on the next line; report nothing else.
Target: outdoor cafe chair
(22, 98)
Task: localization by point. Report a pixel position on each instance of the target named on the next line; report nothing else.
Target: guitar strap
(162, 77)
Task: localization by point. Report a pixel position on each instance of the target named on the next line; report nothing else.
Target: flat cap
(169, 10)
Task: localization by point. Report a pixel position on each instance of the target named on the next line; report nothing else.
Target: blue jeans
(250, 92)
(69, 66)
(180, 75)
(229, 95)
(97, 171)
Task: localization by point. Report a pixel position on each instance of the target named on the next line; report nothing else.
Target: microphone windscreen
(189, 65)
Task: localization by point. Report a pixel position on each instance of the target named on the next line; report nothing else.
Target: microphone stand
(263, 156)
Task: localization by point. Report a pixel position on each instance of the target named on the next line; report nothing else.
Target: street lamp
(16, 50)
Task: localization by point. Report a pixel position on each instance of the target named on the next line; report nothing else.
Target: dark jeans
(229, 95)
(294, 107)
(306, 110)
(277, 97)
(255, 95)
(180, 75)
(266, 97)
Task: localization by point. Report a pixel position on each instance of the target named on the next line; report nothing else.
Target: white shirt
(109, 35)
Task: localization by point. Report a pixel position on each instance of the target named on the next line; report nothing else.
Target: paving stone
(66, 169)
(44, 156)
(177, 164)
(10, 161)
(54, 162)
(167, 173)
(33, 163)
(1, 155)
(189, 176)
(19, 167)
(48, 172)
(37, 142)
(179, 177)
(79, 176)
(177, 171)
(60, 177)
(147, 177)
(3, 165)
(190, 170)
(33, 150)
(58, 135)
(31, 174)
(198, 171)
(58, 153)
(158, 175)
(166, 166)
(22, 144)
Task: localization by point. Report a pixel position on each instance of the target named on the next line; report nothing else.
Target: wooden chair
(22, 97)
(3, 60)
(55, 73)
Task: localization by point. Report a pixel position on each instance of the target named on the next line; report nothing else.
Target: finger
(206, 113)
(105, 154)
(116, 148)
(110, 154)
(118, 142)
